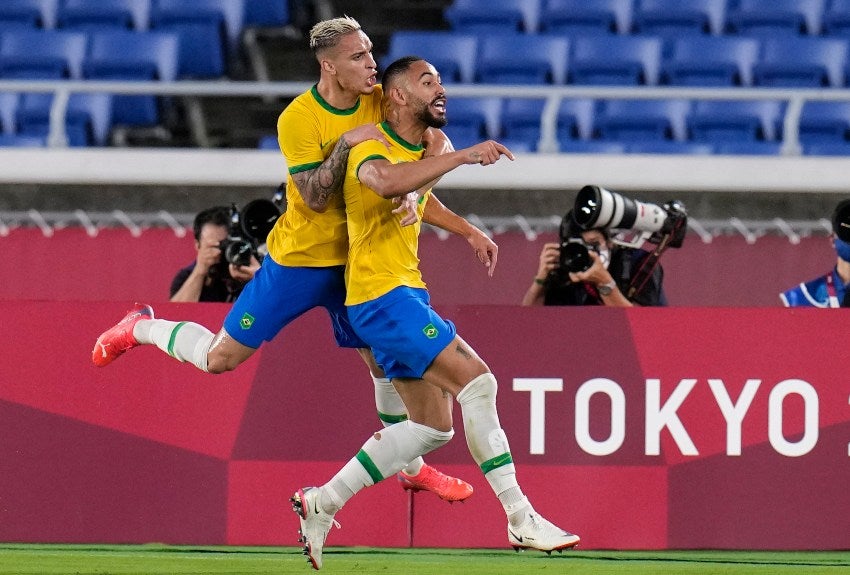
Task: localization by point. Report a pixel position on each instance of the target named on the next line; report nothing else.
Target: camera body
(248, 230)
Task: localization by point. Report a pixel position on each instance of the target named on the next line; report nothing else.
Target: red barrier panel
(637, 429)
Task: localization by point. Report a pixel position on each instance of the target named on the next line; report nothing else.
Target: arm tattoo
(326, 180)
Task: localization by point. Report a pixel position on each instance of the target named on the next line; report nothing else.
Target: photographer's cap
(841, 220)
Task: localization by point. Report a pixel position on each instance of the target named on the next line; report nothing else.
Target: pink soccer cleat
(447, 488)
(119, 338)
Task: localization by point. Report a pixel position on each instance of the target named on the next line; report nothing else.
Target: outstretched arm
(389, 180)
(319, 185)
(486, 250)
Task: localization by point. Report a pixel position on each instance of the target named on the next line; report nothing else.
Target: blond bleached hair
(326, 34)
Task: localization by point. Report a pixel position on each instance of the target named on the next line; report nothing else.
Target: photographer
(210, 278)
(606, 280)
(831, 290)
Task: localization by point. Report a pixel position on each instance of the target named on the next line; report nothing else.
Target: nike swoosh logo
(517, 537)
(316, 506)
(325, 144)
(103, 348)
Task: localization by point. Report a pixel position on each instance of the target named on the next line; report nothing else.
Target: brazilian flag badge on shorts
(247, 321)
(430, 331)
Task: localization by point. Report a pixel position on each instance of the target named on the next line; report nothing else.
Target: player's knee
(483, 387)
(221, 363)
(429, 437)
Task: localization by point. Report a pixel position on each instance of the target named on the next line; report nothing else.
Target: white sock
(184, 341)
(383, 455)
(391, 410)
(488, 443)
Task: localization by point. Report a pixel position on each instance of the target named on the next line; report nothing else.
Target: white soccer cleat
(539, 533)
(315, 523)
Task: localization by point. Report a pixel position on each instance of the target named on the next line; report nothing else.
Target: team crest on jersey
(430, 331)
(247, 321)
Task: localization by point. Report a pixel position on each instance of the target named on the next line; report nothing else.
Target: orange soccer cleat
(119, 338)
(447, 488)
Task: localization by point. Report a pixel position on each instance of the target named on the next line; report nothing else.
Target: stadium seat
(42, 54)
(208, 31)
(521, 121)
(575, 119)
(615, 60)
(484, 16)
(736, 121)
(453, 54)
(642, 120)
(827, 149)
(776, 16)
(757, 148)
(825, 122)
(472, 120)
(88, 118)
(33, 13)
(677, 17)
(95, 14)
(523, 59)
(836, 19)
(266, 13)
(577, 17)
(591, 147)
(125, 55)
(807, 62)
(21, 141)
(669, 147)
(8, 107)
(711, 61)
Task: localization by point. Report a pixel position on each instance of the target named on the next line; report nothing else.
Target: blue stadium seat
(711, 61)
(208, 31)
(591, 147)
(493, 17)
(523, 59)
(825, 122)
(757, 148)
(42, 54)
(21, 141)
(736, 121)
(836, 19)
(33, 13)
(88, 118)
(125, 55)
(807, 62)
(575, 119)
(827, 149)
(453, 54)
(521, 122)
(677, 17)
(776, 16)
(669, 147)
(266, 13)
(642, 120)
(472, 120)
(268, 142)
(615, 60)
(8, 107)
(576, 17)
(93, 14)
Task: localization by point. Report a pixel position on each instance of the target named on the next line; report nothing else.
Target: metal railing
(794, 98)
(530, 227)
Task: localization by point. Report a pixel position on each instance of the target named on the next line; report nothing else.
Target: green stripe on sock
(174, 337)
(369, 466)
(496, 462)
(390, 419)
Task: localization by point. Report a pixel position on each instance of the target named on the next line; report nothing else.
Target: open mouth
(439, 104)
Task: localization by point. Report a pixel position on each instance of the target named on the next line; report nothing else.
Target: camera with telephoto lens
(248, 229)
(598, 208)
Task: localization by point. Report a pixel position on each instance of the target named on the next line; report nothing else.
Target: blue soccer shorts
(279, 294)
(403, 330)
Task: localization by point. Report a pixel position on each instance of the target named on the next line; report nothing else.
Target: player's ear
(327, 66)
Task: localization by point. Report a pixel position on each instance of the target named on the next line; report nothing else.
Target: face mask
(843, 249)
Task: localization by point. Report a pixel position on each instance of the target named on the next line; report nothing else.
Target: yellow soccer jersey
(382, 254)
(308, 129)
